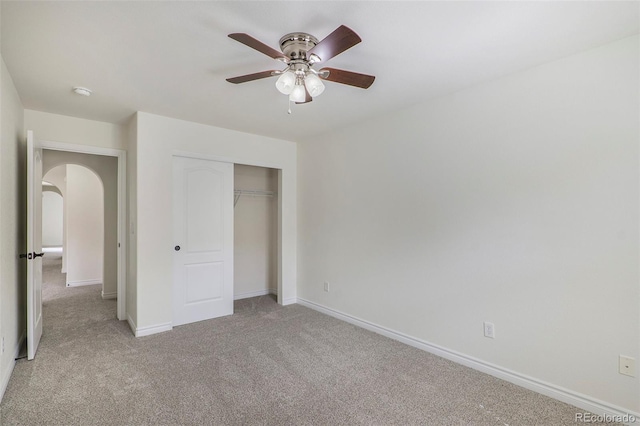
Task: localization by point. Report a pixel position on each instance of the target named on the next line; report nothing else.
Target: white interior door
(203, 230)
(34, 245)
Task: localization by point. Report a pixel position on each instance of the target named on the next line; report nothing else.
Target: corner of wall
(12, 224)
(132, 215)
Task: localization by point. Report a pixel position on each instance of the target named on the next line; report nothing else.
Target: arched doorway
(83, 231)
(52, 217)
(104, 169)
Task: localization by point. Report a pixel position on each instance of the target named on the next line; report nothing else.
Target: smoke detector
(82, 91)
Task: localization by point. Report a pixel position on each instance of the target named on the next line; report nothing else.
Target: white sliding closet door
(203, 230)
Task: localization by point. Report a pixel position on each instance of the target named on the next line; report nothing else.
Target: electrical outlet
(489, 330)
(326, 286)
(627, 366)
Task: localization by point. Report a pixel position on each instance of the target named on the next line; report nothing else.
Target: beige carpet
(266, 365)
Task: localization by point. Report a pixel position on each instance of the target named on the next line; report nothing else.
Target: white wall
(12, 224)
(515, 201)
(85, 226)
(61, 128)
(255, 233)
(52, 218)
(158, 139)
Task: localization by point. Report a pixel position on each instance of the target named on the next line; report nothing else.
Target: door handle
(177, 248)
(30, 256)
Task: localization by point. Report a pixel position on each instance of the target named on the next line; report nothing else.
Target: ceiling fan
(301, 51)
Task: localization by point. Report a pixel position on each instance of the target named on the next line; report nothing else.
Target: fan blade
(246, 39)
(251, 77)
(335, 43)
(307, 97)
(347, 77)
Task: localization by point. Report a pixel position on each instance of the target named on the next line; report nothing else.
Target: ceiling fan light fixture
(297, 94)
(286, 82)
(314, 85)
(300, 51)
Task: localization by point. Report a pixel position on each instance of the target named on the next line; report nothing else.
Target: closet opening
(255, 231)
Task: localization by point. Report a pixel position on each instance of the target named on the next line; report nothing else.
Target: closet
(255, 231)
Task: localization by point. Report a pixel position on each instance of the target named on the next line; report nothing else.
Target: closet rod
(254, 193)
(250, 193)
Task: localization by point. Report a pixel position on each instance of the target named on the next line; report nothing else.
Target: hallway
(68, 309)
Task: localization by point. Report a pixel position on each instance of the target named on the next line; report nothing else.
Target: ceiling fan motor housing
(296, 45)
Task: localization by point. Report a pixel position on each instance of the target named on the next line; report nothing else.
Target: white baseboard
(110, 295)
(6, 376)
(290, 301)
(254, 294)
(576, 399)
(81, 283)
(147, 331)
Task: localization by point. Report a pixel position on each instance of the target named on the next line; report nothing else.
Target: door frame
(122, 209)
(280, 296)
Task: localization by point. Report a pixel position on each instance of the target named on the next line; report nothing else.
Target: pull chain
(289, 110)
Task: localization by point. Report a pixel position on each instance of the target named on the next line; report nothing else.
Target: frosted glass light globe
(314, 85)
(297, 94)
(285, 82)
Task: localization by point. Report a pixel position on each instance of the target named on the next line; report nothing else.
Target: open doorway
(92, 184)
(114, 200)
(76, 236)
(73, 225)
(52, 217)
(255, 231)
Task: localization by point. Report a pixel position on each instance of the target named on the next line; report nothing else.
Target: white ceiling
(172, 58)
